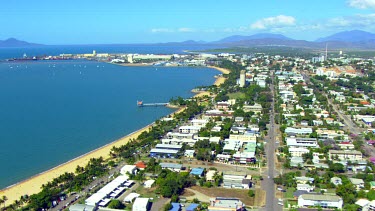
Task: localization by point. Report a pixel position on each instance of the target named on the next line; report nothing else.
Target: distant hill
(349, 36)
(238, 38)
(12, 42)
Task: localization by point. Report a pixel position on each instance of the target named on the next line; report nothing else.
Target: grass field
(236, 95)
(289, 193)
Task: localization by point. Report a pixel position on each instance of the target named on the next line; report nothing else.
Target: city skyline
(85, 22)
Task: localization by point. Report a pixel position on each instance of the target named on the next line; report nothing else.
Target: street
(268, 184)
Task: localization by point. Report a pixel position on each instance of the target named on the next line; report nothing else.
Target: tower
(242, 78)
(326, 52)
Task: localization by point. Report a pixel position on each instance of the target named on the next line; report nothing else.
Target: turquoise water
(52, 112)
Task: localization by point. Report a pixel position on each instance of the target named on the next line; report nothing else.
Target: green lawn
(289, 193)
(236, 95)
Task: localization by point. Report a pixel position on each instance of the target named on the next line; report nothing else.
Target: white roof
(362, 202)
(131, 197)
(149, 183)
(95, 198)
(127, 168)
(140, 204)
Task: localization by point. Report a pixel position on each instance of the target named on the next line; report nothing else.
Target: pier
(141, 104)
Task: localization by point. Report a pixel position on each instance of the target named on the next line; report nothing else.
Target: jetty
(141, 104)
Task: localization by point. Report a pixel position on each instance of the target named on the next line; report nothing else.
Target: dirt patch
(260, 198)
(224, 192)
(187, 193)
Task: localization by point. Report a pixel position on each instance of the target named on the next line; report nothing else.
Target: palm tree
(4, 200)
(1, 201)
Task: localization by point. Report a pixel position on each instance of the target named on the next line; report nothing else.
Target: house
(372, 185)
(247, 183)
(325, 201)
(304, 180)
(296, 162)
(346, 145)
(210, 176)
(141, 204)
(130, 198)
(298, 131)
(192, 207)
(175, 207)
(256, 108)
(359, 183)
(197, 171)
(189, 129)
(189, 153)
(141, 165)
(305, 187)
(352, 155)
(233, 179)
(227, 204)
(171, 166)
(301, 142)
(297, 193)
(336, 181)
(297, 152)
(148, 183)
(131, 169)
(363, 203)
(166, 151)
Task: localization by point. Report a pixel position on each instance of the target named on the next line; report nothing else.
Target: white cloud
(186, 30)
(356, 21)
(276, 21)
(362, 4)
(161, 30)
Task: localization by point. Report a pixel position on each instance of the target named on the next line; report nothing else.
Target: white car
(280, 203)
(280, 200)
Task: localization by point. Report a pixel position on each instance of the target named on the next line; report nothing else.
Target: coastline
(33, 184)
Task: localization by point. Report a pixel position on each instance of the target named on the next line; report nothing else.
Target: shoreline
(33, 184)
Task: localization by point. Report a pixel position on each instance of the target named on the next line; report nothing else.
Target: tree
(116, 204)
(251, 193)
(4, 199)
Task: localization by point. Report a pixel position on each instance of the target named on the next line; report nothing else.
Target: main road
(268, 183)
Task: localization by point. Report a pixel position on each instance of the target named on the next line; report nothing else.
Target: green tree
(251, 193)
(115, 204)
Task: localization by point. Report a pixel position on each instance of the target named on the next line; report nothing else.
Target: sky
(152, 21)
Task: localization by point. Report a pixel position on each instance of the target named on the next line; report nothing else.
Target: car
(280, 189)
(280, 200)
(280, 203)
(283, 190)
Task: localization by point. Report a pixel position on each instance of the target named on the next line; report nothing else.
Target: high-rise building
(242, 78)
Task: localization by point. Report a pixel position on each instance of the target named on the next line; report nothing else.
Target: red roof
(141, 165)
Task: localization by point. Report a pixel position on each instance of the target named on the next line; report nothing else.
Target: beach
(33, 184)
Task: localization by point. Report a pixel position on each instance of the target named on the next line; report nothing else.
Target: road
(268, 183)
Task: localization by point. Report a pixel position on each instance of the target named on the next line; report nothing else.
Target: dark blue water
(7, 53)
(51, 112)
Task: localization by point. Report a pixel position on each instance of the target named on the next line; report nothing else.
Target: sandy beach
(33, 184)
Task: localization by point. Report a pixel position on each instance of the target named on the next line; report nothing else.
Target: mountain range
(355, 39)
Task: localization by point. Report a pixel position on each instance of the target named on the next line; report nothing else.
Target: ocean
(54, 111)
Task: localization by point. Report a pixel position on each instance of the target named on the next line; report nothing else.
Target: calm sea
(51, 112)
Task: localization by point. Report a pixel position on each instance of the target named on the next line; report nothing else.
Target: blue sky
(150, 21)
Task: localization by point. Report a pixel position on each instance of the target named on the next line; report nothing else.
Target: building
(298, 131)
(305, 187)
(256, 108)
(301, 142)
(233, 179)
(304, 180)
(226, 204)
(189, 129)
(131, 169)
(141, 204)
(242, 81)
(336, 181)
(324, 201)
(352, 155)
(297, 151)
(359, 183)
(171, 166)
(166, 151)
(197, 171)
(149, 183)
(210, 176)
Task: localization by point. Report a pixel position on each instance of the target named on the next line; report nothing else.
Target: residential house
(359, 183)
(226, 204)
(336, 181)
(351, 155)
(325, 201)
